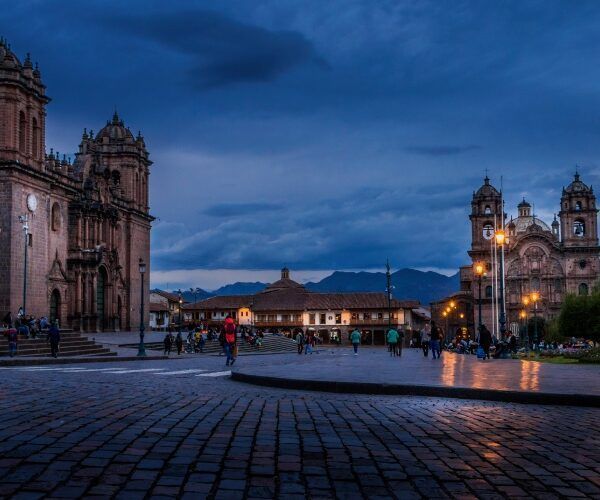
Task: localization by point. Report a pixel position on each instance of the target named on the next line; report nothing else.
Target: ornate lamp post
(523, 318)
(479, 272)
(142, 348)
(180, 304)
(500, 240)
(526, 302)
(24, 219)
(535, 297)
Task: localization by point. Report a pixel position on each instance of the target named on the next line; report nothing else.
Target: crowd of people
(28, 327)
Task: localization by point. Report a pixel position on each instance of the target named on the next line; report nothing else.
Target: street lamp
(523, 317)
(479, 272)
(501, 240)
(526, 302)
(24, 219)
(142, 348)
(180, 304)
(535, 297)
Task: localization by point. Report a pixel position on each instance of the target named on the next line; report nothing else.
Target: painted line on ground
(215, 374)
(181, 372)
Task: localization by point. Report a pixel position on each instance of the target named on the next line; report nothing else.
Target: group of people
(30, 327)
(306, 343)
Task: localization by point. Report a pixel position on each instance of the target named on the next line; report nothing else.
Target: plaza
(184, 429)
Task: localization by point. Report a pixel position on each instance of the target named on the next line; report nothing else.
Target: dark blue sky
(324, 135)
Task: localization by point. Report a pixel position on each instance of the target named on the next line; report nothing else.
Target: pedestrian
(13, 338)
(300, 341)
(179, 343)
(53, 336)
(168, 343)
(401, 335)
(229, 331)
(355, 339)
(392, 339)
(436, 337)
(485, 341)
(426, 339)
(309, 343)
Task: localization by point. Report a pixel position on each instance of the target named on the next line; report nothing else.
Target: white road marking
(215, 374)
(140, 370)
(180, 372)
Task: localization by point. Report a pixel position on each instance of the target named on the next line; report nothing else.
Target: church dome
(522, 224)
(577, 186)
(487, 189)
(115, 130)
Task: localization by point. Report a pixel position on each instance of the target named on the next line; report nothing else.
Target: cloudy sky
(323, 135)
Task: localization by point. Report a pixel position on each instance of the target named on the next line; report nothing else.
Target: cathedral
(554, 259)
(73, 235)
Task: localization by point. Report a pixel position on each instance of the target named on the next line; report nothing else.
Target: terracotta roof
(222, 302)
(298, 299)
(171, 297)
(157, 307)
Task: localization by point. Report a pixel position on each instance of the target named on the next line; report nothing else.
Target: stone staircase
(272, 344)
(71, 344)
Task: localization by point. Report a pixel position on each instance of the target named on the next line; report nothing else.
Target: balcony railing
(274, 322)
(373, 322)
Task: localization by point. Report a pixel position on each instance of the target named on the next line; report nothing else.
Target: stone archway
(55, 304)
(101, 298)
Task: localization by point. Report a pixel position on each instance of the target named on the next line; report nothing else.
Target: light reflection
(530, 376)
(449, 369)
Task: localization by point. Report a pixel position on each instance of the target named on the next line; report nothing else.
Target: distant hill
(408, 284)
(240, 288)
(190, 297)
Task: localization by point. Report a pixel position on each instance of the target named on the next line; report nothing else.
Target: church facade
(88, 222)
(554, 259)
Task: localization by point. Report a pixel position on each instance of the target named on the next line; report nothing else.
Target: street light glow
(500, 237)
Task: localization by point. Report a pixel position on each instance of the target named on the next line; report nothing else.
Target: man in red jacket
(229, 332)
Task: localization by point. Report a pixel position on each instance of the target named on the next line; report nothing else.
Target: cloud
(222, 51)
(236, 209)
(440, 150)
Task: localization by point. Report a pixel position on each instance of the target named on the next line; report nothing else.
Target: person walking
(229, 331)
(300, 341)
(485, 341)
(168, 342)
(426, 339)
(179, 343)
(13, 338)
(436, 337)
(53, 336)
(309, 343)
(400, 344)
(392, 340)
(355, 339)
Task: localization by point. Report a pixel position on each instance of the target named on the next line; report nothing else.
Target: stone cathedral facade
(89, 221)
(554, 259)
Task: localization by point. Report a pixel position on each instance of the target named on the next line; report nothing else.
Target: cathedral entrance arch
(55, 306)
(101, 298)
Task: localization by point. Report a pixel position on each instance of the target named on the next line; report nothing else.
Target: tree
(574, 319)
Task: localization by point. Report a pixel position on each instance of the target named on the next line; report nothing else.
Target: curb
(66, 361)
(583, 400)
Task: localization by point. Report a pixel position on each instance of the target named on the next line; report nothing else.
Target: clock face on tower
(31, 202)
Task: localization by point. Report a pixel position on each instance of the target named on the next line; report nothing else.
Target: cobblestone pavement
(184, 429)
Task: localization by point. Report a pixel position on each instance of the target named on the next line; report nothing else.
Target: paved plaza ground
(184, 429)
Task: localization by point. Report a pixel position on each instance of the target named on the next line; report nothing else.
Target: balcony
(280, 323)
(373, 322)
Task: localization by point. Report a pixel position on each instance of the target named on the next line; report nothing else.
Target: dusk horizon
(283, 135)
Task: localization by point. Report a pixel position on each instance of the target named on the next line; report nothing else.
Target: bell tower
(578, 215)
(22, 110)
(485, 205)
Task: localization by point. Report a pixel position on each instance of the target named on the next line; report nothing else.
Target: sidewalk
(454, 376)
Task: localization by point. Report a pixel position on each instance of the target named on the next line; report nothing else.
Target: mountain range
(424, 286)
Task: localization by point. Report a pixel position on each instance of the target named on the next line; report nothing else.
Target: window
(578, 206)
(579, 228)
(322, 319)
(488, 230)
(35, 138)
(583, 289)
(55, 217)
(379, 315)
(22, 133)
(30, 239)
(338, 319)
(535, 284)
(488, 210)
(354, 316)
(488, 292)
(366, 316)
(582, 264)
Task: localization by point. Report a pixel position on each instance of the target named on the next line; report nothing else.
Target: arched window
(488, 292)
(579, 228)
(35, 144)
(22, 133)
(488, 210)
(55, 217)
(578, 206)
(535, 284)
(583, 289)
